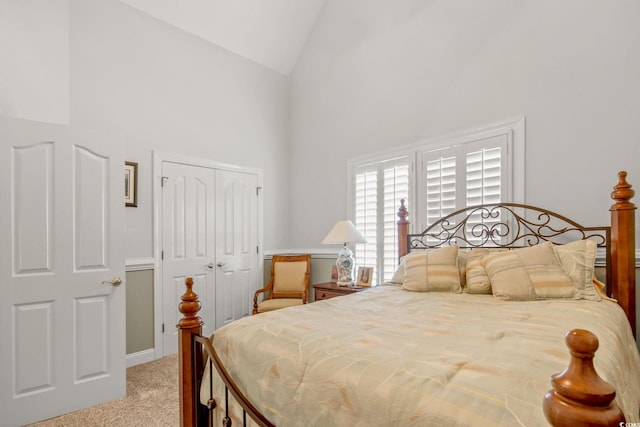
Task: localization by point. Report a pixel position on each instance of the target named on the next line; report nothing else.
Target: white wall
(34, 60)
(161, 88)
(169, 91)
(377, 74)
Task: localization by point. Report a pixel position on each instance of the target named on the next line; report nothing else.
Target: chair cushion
(289, 276)
(275, 304)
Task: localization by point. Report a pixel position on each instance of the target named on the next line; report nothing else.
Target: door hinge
(162, 180)
(163, 328)
(257, 249)
(258, 190)
(161, 255)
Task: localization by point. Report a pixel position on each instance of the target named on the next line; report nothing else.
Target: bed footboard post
(623, 249)
(189, 360)
(579, 396)
(403, 230)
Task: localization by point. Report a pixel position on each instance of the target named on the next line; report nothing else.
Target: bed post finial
(403, 213)
(189, 326)
(579, 396)
(189, 307)
(623, 249)
(403, 230)
(622, 192)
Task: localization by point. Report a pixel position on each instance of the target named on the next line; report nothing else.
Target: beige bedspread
(392, 357)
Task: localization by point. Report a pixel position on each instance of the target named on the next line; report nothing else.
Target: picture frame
(131, 184)
(334, 274)
(365, 276)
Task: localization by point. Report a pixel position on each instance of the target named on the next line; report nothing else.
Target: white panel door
(62, 317)
(187, 244)
(236, 245)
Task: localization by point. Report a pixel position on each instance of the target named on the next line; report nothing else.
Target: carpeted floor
(151, 400)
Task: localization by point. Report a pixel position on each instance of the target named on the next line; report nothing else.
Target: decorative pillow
(477, 278)
(529, 274)
(398, 275)
(578, 259)
(462, 267)
(434, 270)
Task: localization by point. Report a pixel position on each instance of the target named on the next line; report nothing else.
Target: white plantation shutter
(467, 174)
(378, 189)
(485, 174)
(440, 182)
(366, 214)
(485, 180)
(396, 187)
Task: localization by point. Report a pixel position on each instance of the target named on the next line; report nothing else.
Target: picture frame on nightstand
(334, 274)
(365, 276)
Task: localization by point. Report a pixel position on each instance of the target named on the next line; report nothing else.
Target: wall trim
(601, 260)
(315, 252)
(139, 264)
(140, 357)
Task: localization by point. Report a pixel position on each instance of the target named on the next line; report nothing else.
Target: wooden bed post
(189, 361)
(623, 249)
(579, 396)
(403, 230)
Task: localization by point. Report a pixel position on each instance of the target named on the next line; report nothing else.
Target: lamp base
(345, 283)
(345, 266)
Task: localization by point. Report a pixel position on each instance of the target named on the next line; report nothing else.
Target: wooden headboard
(513, 225)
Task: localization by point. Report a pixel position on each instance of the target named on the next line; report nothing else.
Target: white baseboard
(140, 357)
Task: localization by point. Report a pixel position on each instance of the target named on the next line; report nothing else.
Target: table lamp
(344, 232)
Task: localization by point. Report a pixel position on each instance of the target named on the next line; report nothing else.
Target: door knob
(221, 264)
(210, 265)
(115, 281)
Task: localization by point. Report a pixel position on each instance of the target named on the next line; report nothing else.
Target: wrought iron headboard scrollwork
(506, 225)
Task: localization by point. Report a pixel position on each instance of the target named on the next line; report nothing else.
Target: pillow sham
(578, 259)
(529, 274)
(432, 271)
(462, 267)
(477, 279)
(398, 275)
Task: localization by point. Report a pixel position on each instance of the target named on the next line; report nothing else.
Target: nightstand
(330, 290)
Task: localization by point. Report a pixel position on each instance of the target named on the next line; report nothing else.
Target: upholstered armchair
(288, 284)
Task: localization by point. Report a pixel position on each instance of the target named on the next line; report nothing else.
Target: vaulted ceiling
(269, 32)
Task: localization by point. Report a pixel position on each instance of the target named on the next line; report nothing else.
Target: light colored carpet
(151, 400)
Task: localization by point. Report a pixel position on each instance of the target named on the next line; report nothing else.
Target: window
(378, 188)
(469, 168)
(467, 174)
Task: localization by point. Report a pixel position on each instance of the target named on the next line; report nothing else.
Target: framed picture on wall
(334, 274)
(130, 184)
(365, 276)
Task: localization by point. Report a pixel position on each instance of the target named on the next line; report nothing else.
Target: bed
(441, 351)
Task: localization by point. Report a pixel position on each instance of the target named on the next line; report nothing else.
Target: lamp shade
(344, 232)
